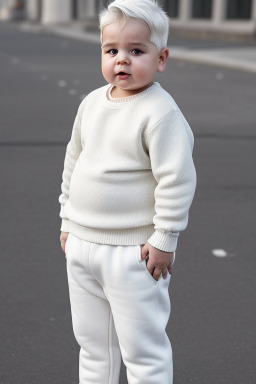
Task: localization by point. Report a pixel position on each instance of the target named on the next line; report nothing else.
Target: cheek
(143, 70)
(107, 67)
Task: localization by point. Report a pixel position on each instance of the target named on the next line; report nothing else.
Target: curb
(212, 58)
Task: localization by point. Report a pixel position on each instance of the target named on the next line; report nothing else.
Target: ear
(162, 59)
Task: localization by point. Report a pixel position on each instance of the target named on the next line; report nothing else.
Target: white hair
(147, 10)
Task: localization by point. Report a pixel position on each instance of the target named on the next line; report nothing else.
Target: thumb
(144, 252)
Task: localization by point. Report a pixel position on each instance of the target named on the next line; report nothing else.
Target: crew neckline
(117, 102)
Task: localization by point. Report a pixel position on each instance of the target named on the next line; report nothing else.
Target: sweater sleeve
(170, 144)
(74, 148)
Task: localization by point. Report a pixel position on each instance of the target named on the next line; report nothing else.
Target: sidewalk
(237, 56)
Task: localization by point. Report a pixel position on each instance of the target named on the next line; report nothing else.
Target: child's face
(126, 48)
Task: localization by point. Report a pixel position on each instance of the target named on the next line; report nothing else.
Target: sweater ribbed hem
(126, 236)
(165, 241)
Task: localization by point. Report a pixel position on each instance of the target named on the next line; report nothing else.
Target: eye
(136, 51)
(112, 51)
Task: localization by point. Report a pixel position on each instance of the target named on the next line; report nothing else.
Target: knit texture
(129, 175)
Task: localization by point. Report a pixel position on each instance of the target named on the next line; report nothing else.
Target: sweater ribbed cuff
(65, 225)
(165, 241)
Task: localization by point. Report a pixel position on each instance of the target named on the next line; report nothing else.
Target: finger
(144, 252)
(164, 273)
(170, 268)
(157, 273)
(150, 266)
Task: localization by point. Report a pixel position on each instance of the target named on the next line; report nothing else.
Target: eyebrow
(130, 43)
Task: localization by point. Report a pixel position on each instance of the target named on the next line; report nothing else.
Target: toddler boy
(128, 183)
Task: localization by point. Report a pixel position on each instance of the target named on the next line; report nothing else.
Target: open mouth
(123, 75)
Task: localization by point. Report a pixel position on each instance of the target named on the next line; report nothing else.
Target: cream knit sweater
(129, 175)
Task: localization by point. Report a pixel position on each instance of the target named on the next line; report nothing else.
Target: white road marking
(44, 77)
(72, 92)
(64, 45)
(219, 253)
(219, 76)
(62, 83)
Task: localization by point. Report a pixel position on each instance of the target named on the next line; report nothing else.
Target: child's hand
(158, 261)
(63, 239)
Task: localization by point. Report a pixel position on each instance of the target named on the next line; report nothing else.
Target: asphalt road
(212, 324)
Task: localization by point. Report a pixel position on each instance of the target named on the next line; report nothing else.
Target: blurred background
(232, 18)
(50, 59)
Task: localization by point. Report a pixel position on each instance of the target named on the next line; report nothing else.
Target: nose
(122, 58)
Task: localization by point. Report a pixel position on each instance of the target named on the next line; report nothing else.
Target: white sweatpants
(118, 309)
